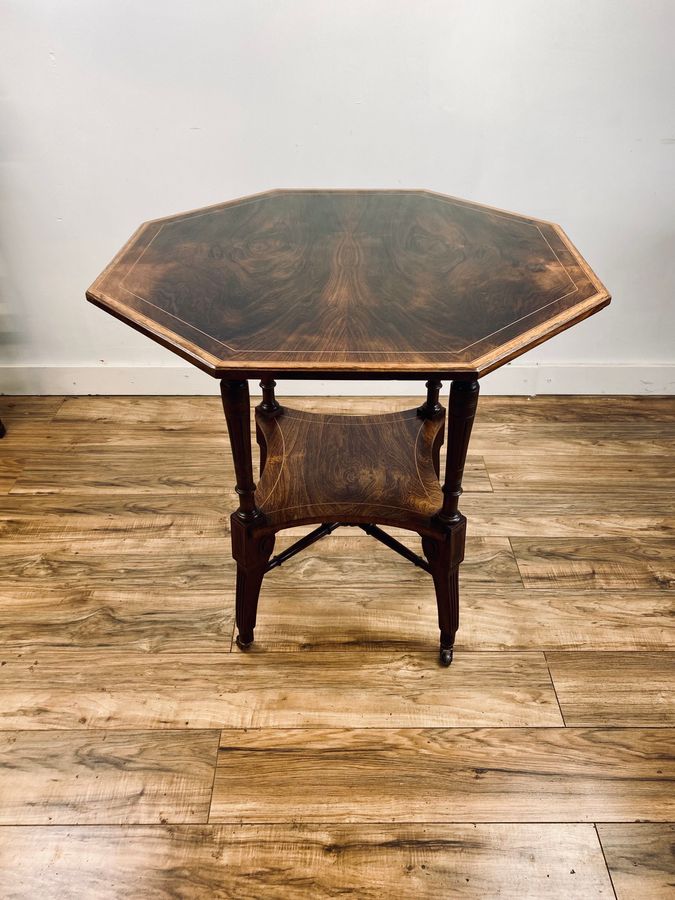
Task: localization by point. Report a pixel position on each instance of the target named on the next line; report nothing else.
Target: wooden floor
(141, 755)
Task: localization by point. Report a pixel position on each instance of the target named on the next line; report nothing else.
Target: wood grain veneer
(352, 282)
(414, 862)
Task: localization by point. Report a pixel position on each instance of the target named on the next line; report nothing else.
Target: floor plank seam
(550, 675)
(339, 823)
(213, 780)
(130, 729)
(56, 411)
(602, 850)
(489, 477)
(515, 559)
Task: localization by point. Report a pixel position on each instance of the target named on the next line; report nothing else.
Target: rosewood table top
(349, 284)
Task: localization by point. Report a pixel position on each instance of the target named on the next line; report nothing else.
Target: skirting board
(523, 379)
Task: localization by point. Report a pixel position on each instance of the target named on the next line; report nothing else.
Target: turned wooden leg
(446, 551)
(444, 554)
(251, 552)
(461, 413)
(430, 409)
(3, 430)
(268, 406)
(431, 406)
(236, 405)
(250, 548)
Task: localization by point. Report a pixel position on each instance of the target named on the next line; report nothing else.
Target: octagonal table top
(314, 283)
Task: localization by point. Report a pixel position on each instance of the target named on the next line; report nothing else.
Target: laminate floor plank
(382, 616)
(579, 409)
(611, 563)
(142, 410)
(530, 471)
(91, 777)
(148, 619)
(11, 468)
(130, 421)
(31, 568)
(207, 438)
(123, 562)
(412, 862)
(85, 533)
(27, 422)
(25, 437)
(396, 612)
(542, 515)
(164, 507)
(545, 409)
(112, 470)
(353, 559)
(444, 775)
(641, 859)
(533, 515)
(642, 439)
(393, 611)
(615, 688)
(347, 592)
(14, 408)
(70, 688)
(518, 619)
(370, 597)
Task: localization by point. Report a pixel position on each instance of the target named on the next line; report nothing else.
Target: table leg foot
(249, 582)
(446, 656)
(244, 641)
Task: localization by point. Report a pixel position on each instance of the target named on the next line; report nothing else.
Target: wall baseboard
(528, 379)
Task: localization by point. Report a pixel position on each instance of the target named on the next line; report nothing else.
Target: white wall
(114, 112)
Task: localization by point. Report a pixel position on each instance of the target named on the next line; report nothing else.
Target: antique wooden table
(359, 285)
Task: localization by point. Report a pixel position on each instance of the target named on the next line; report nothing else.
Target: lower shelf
(360, 469)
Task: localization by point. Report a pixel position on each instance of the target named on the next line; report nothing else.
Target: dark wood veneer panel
(362, 468)
(360, 281)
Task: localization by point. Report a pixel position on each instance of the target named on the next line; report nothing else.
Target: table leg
(445, 551)
(267, 407)
(430, 409)
(251, 552)
(444, 554)
(236, 405)
(251, 549)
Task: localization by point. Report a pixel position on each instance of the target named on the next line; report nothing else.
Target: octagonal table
(359, 285)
